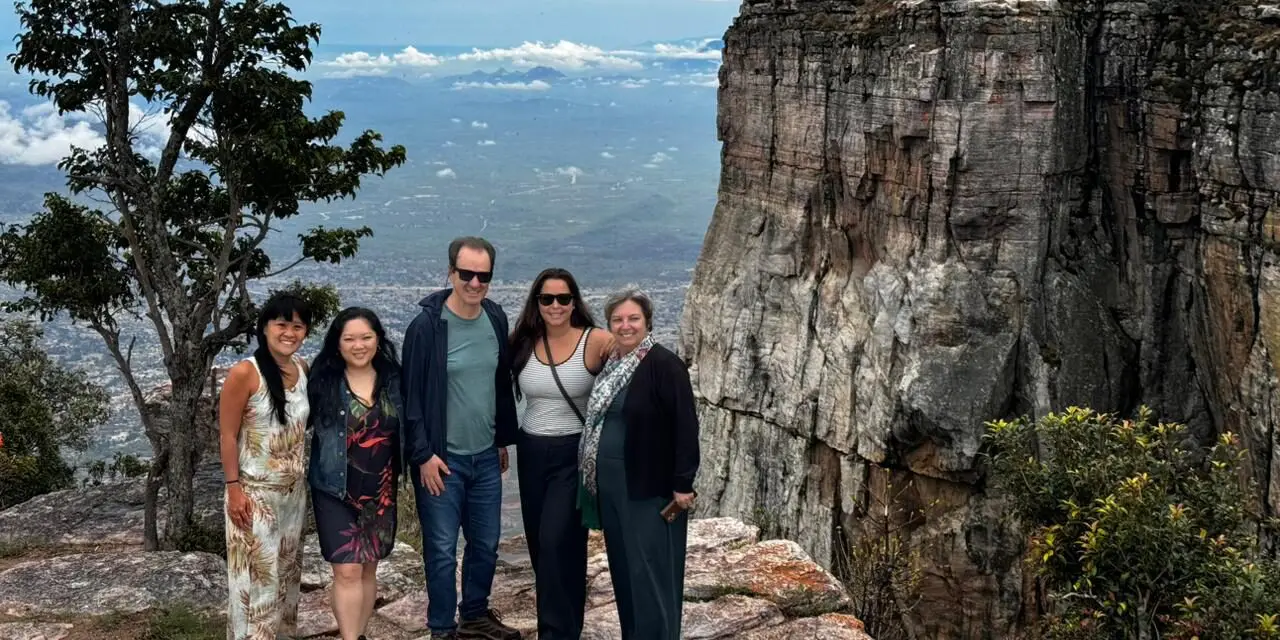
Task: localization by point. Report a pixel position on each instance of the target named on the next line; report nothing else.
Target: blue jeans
(472, 500)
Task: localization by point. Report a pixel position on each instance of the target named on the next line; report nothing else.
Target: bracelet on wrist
(236, 481)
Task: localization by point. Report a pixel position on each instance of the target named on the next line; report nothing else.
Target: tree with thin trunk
(207, 149)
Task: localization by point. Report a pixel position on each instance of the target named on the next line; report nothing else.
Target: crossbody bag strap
(551, 362)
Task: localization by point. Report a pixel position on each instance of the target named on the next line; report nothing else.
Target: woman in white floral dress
(263, 413)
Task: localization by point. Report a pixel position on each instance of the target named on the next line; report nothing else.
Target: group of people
(608, 441)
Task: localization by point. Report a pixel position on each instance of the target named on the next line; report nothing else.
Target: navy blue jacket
(327, 469)
(424, 383)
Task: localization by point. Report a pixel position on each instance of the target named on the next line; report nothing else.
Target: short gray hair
(630, 294)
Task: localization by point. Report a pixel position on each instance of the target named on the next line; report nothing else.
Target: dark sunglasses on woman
(545, 299)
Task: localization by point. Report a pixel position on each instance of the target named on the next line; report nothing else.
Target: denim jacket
(327, 468)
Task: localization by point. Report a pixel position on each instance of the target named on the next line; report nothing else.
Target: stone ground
(70, 569)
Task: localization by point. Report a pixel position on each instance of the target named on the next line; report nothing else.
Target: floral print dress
(362, 527)
(264, 564)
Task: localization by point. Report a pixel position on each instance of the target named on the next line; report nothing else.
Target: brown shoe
(487, 627)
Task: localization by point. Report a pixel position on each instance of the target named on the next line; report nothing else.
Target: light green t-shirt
(472, 366)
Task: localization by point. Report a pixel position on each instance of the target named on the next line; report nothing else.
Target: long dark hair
(281, 306)
(328, 367)
(530, 327)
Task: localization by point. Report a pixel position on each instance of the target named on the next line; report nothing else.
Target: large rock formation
(934, 213)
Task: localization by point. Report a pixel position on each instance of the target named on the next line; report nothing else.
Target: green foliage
(179, 623)
(209, 539)
(122, 466)
(47, 408)
(323, 299)
(179, 238)
(1137, 533)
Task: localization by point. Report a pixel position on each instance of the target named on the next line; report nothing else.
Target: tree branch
(286, 268)
(239, 324)
(111, 336)
(210, 71)
(102, 180)
(229, 227)
(202, 248)
(143, 273)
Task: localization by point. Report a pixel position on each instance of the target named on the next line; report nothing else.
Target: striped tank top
(547, 412)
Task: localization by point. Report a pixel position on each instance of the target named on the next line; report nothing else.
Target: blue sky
(493, 23)
(483, 23)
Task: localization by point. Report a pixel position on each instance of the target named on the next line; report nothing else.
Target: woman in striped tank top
(557, 353)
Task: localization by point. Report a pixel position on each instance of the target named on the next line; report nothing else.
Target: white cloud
(659, 158)
(649, 165)
(411, 57)
(446, 173)
(606, 155)
(356, 73)
(486, 143)
(536, 85)
(449, 143)
(363, 63)
(455, 120)
(573, 172)
(678, 52)
(476, 124)
(37, 135)
(360, 60)
(673, 149)
(629, 84)
(562, 55)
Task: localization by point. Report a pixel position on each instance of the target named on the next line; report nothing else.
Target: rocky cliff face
(935, 213)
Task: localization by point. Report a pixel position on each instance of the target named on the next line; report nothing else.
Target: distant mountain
(359, 88)
(539, 73)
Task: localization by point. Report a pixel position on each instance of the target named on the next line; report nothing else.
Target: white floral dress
(264, 565)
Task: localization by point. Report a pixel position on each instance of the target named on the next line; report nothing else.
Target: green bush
(1136, 532)
(45, 409)
(122, 466)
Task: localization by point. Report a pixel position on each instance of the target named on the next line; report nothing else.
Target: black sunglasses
(466, 275)
(545, 299)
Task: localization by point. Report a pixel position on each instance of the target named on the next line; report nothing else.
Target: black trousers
(547, 467)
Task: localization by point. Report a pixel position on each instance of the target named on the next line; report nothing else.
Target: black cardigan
(661, 448)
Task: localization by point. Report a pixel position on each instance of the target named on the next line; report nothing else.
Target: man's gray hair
(630, 294)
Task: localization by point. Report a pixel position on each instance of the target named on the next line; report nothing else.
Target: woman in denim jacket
(356, 457)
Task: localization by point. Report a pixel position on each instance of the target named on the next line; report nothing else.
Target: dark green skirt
(646, 557)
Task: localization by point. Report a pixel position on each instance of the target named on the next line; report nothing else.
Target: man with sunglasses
(460, 416)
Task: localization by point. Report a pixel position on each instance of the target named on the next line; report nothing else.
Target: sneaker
(487, 627)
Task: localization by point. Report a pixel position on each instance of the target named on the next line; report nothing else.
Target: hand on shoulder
(601, 342)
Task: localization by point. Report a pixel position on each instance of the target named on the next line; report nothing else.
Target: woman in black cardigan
(639, 456)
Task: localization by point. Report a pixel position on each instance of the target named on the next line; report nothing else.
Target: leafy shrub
(46, 408)
(122, 466)
(1137, 533)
